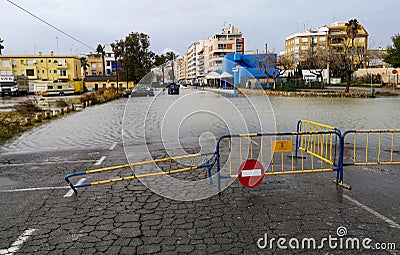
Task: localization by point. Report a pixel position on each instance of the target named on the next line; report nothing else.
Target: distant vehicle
(141, 92)
(173, 89)
(8, 86)
(58, 88)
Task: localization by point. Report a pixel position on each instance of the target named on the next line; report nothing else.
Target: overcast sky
(175, 24)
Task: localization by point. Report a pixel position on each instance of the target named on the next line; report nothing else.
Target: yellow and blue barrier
(207, 161)
(281, 153)
(313, 148)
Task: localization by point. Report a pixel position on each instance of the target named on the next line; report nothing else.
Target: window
(296, 41)
(14, 63)
(94, 66)
(322, 39)
(49, 61)
(54, 71)
(5, 63)
(5, 72)
(30, 72)
(108, 63)
(304, 39)
(304, 47)
(41, 61)
(49, 87)
(42, 71)
(361, 40)
(59, 87)
(221, 46)
(62, 72)
(30, 63)
(22, 72)
(61, 62)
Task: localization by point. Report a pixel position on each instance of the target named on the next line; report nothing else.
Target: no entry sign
(251, 173)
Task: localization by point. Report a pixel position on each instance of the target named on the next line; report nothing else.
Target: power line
(50, 25)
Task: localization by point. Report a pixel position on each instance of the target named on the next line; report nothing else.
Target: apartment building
(331, 38)
(196, 59)
(205, 56)
(230, 40)
(181, 68)
(41, 67)
(95, 64)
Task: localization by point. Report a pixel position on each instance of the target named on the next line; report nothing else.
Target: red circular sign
(394, 71)
(251, 173)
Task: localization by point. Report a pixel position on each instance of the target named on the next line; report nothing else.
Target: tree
(347, 59)
(393, 52)
(84, 65)
(171, 56)
(273, 66)
(317, 60)
(161, 60)
(100, 50)
(135, 55)
(1, 45)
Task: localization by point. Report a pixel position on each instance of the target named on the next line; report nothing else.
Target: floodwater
(186, 118)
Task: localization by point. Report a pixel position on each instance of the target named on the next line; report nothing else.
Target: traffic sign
(251, 173)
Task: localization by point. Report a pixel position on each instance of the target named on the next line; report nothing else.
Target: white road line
(113, 146)
(380, 216)
(98, 163)
(46, 163)
(15, 246)
(33, 189)
(70, 192)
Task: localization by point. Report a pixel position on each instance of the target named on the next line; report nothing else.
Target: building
(196, 60)
(205, 56)
(109, 60)
(230, 40)
(41, 67)
(95, 64)
(328, 39)
(181, 69)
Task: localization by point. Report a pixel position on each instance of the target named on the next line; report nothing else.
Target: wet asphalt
(128, 218)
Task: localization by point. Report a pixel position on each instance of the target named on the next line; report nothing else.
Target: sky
(175, 24)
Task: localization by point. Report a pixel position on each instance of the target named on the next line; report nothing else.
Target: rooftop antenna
(334, 17)
(305, 24)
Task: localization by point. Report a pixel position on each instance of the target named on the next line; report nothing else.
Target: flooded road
(184, 118)
(129, 218)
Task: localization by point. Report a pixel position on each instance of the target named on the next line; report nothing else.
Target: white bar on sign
(252, 172)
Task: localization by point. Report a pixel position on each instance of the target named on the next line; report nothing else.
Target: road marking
(15, 246)
(380, 216)
(70, 192)
(100, 161)
(33, 189)
(113, 146)
(47, 163)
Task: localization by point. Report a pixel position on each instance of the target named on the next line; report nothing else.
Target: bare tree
(273, 67)
(317, 60)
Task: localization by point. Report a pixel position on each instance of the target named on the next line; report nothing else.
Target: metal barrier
(371, 147)
(314, 148)
(168, 166)
(281, 153)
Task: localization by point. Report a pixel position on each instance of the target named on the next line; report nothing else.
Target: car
(141, 92)
(173, 89)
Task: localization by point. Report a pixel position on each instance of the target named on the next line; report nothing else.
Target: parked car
(141, 92)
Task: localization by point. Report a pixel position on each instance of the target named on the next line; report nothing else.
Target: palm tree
(1, 45)
(171, 56)
(100, 50)
(84, 65)
(352, 27)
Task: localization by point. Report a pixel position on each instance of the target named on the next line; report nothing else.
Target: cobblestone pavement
(128, 218)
